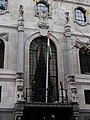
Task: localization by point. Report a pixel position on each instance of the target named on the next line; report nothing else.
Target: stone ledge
(7, 74)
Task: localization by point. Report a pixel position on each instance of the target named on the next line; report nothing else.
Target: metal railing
(35, 95)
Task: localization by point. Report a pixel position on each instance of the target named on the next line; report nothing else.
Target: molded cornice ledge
(7, 74)
(76, 2)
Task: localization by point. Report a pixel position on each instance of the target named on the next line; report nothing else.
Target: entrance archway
(37, 71)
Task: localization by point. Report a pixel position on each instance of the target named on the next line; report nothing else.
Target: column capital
(67, 32)
(71, 79)
(21, 28)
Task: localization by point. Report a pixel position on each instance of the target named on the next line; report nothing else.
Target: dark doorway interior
(37, 71)
(47, 113)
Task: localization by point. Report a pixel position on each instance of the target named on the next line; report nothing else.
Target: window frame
(3, 11)
(44, 3)
(0, 93)
(2, 49)
(52, 65)
(86, 93)
(84, 57)
(4, 38)
(81, 22)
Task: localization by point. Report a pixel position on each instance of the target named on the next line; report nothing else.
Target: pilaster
(20, 57)
(67, 34)
(19, 107)
(72, 89)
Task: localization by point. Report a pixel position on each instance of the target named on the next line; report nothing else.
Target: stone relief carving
(67, 17)
(43, 19)
(19, 89)
(4, 36)
(19, 118)
(74, 97)
(21, 11)
(21, 18)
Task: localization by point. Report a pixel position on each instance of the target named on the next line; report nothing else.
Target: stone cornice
(82, 79)
(7, 75)
(76, 2)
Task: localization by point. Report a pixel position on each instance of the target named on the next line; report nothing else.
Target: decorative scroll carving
(4, 36)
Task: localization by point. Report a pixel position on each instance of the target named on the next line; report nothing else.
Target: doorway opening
(47, 113)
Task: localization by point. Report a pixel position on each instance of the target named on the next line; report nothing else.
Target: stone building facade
(34, 86)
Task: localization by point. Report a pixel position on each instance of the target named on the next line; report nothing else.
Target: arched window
(84, 55)
(3, 5)
(37, 71)
(1, 53)
(80, 15)
(42, 6)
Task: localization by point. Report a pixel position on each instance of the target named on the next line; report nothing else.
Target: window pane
(87, 96)
(80, 16)
(41, 7)
(1, 54)
(84, 60)
(3, 5)
(37, 69)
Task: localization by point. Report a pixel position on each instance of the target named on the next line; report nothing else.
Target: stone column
(20, 57)
(72, 88)
(70, 66)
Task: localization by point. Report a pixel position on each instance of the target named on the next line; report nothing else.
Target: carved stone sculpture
(43, 19)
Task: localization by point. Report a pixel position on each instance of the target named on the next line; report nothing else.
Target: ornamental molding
(4, 36)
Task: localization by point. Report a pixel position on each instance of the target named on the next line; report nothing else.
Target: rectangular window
(87, 96)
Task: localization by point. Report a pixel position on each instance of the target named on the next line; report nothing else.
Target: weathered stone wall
(9, 25)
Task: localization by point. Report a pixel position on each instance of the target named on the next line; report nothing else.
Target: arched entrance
(2, 47)
(36, 107)
(37, 71)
